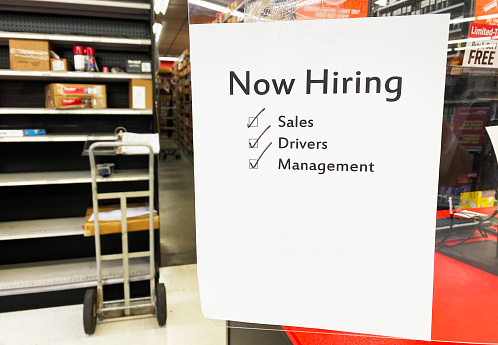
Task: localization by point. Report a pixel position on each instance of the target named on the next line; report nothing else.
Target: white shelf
(86, 76)
(40, 228)
(59, 138)
(68, 177)
(92, 3)
(98, 8)
(86, 111)
(98, 41)
(66, 274)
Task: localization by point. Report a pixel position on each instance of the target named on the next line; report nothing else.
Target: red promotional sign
(331, 9)
(482, 30)
(485, 8)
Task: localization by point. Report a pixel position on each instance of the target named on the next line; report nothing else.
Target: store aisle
(64, 325)
(185, 324)
(177, 211)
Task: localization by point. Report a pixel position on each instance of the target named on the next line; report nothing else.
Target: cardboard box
(138, 223)
(63, 96)
(81, 90)
(68, 102)
(29, 55)
(477, 199)
(58, 65)
(141, 94)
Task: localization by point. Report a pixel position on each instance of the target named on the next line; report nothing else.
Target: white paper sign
(314, 143)
(138, 97)
(151, 139)
(115, 215)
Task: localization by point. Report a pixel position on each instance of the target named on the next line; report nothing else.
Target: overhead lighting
(210, 5)
(168, 58)
(381, 2)
(160, 6)
(156, 29)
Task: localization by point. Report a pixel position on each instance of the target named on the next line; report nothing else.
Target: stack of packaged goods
(67, 96)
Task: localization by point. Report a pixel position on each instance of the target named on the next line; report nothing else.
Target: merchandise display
(182, 103)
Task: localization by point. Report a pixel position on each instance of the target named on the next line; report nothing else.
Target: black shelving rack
(45, 183)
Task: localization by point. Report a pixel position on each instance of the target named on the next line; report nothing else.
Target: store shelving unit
(456, 9)
(95, 8)
(182, 98)
(168, 131)
(45, 179)
(8, 74)
(68, 177)
(44, 111)
(39, 228)
(65, 274)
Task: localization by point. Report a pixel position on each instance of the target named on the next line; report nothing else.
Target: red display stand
(465, 309)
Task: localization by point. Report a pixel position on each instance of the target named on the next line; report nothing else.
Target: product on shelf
(137, 223)
(91, 66)
(140, 94)
(79, 59)
(58, 65)
(21, 132)
(63, 96)
(29, 55)
(138, 66)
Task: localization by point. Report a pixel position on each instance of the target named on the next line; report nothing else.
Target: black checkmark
(255, 118)
(254, 166)
(255, 144)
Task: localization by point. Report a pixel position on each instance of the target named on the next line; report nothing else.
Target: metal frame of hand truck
(94, 305)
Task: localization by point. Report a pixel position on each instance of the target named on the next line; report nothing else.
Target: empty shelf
(86, 76)
(59, 138)
(87, 111)
(68, 177)
(66, 274)
(39, 228)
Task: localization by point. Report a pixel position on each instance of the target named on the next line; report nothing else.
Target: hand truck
(94, 305)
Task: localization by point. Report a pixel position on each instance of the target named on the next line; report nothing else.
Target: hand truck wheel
(90, 311)
(161, 304)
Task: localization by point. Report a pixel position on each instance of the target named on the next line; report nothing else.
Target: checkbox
(253, 143)
(253, 163)
(253, 122)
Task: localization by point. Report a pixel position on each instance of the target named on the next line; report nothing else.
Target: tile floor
(185, 324)
(63, 325)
